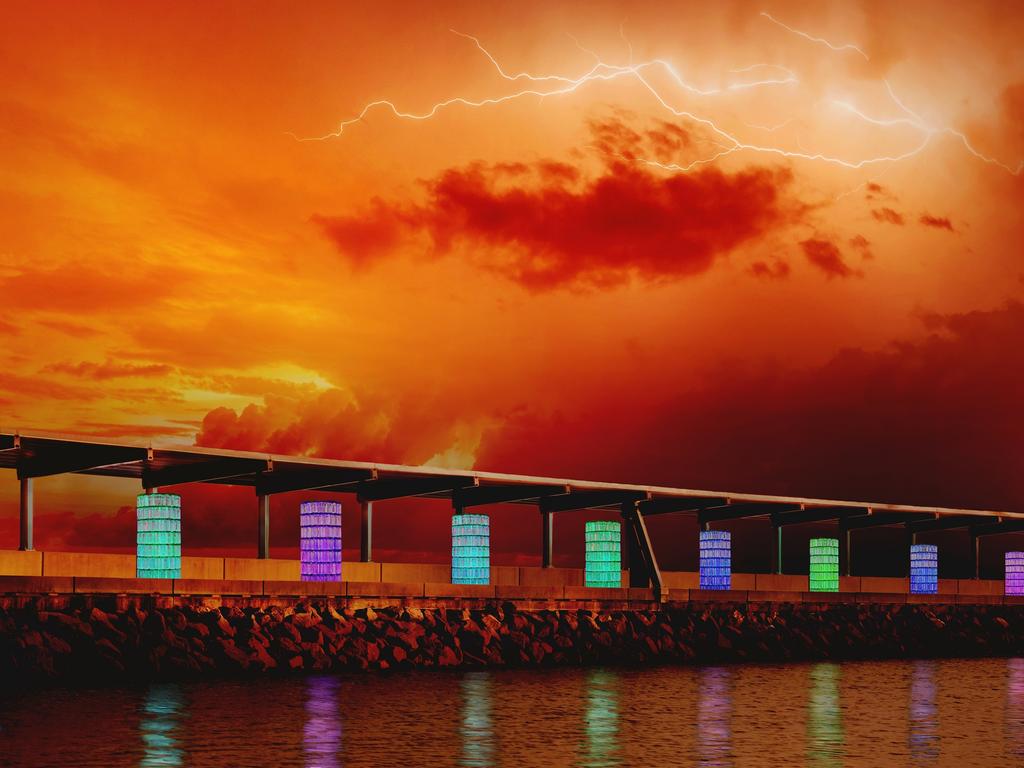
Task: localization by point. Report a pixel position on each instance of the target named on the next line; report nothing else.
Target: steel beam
(263, 526)
(816, 515)
(565, 502)
(204, 472)
(879, 519)
(365, 531)
(26, 514)
(994, 529)
(643, 564)
(63, 460)
(398, 488)
(740, 510)
(661, 505)
(284, 481)
(502, 494)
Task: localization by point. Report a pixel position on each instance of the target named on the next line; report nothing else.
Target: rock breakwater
(87, 644)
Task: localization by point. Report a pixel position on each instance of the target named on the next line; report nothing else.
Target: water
(917, 713)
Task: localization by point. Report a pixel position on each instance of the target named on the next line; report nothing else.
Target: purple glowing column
(1014, 573)
(320, 540)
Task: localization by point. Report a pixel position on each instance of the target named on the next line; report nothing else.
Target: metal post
(976, 551)
(365, 531)
(778, 549)
(547, 538)
(26, 514)
(847, 541)
(263, 526)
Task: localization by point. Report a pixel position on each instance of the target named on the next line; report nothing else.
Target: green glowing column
(158, 539)
(824, 573)
(603, 554)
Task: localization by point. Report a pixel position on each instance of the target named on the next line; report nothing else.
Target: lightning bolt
(544, 86)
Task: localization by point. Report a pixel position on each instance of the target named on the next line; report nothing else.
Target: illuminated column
(1014, 584)
(715, 560)
(471, 549)
(603, 564)
(924, 569)
(824, 571)
(158, 537)
(320, 540)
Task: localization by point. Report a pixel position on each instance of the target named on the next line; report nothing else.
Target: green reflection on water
(161, 719)
(477, 722)
(601, 721)
(824, 718)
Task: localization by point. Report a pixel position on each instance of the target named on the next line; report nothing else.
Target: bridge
(33, 455)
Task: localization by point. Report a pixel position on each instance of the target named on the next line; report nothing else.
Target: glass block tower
(320, 540)
(603, 563)
(924, 569)
(471, 549)
(824, 572)
(715, 560)
(1014, 584)
(158, 536)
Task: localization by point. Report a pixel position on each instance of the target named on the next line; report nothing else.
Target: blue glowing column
(471, 549)
(158, 536)
(603, 563)
(924, 569)
(320, 540)
(715, 560)
(1014, 584)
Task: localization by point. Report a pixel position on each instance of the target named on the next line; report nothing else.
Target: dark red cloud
(826, 256)
(888, 216)
(773, 269)
(547, 225)
(863, 245)
(939, 222)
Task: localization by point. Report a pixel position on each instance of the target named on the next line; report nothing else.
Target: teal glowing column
(824, 572)
(471, 549)
(603, 554)
(158, 537)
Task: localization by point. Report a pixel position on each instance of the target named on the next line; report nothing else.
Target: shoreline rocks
(90, 645)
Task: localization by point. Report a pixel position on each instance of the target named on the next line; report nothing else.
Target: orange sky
(595, 282)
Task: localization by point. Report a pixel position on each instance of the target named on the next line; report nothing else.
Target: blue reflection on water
(924, 713)
(1014, 725)
(477, 725)
(321, 732)
(601, 724)
(714, 715)
(824, 718)
(161, 719)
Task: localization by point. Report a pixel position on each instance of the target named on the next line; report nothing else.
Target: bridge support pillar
(263, 527)
(643, 565)
(26, 514)
(365, 531)
(547, 538)
(778, 550)
(845, 551)
(975, 556)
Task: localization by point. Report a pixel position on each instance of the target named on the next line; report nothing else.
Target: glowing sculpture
(603, 563)
(924, 569)
(824, 572)
(715, 560)
(471, 549)
(320, 540)
(158, 536)
(1014, 584)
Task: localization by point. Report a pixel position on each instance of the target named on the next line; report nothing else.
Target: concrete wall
(532, 582)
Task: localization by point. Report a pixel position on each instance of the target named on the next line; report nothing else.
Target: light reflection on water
(601, 720)
(956, 713)
(924, 713)
(824, 716)
(321, 733)
(160, 726)
(714, 715)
